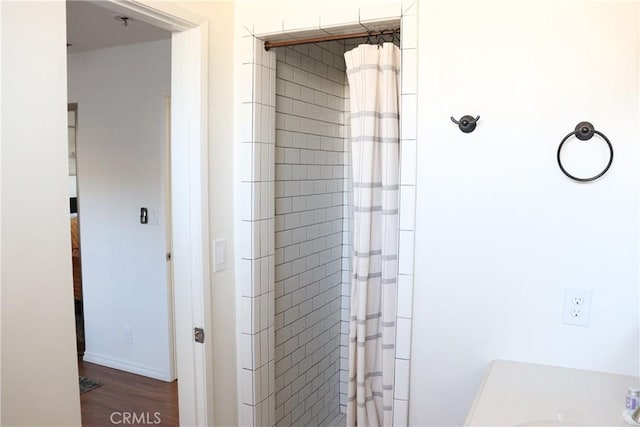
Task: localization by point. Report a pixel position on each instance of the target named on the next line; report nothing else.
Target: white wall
(121, 149)
(39, 372)
(500, 230)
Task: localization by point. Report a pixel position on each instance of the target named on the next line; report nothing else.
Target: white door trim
(189, 199)
(190, 211)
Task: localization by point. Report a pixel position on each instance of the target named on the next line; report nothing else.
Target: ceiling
(90, 26)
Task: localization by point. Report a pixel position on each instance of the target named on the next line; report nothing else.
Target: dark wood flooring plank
(151, 400)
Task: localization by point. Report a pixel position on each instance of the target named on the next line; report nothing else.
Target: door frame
(189, 199)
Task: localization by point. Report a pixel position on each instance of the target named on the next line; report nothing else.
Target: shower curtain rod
(329, 37)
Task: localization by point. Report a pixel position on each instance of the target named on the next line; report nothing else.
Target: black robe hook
(466, 124)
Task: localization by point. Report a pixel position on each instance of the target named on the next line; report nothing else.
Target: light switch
(219, 255)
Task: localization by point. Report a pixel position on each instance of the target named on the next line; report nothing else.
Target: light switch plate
(219, 255)
(153, 216)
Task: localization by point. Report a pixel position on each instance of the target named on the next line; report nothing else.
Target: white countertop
(515, 393)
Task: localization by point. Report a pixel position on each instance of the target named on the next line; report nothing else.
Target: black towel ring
(584, 131)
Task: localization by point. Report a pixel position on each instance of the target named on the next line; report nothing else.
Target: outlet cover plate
(577, 307)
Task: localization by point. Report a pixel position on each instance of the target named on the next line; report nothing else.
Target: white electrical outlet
(128, 335)
(577, 307)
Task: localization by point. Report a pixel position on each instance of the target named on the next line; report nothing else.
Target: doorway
(190, 256)
(72, 122)
(120, 91)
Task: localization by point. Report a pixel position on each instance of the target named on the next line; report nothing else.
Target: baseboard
(127, 366)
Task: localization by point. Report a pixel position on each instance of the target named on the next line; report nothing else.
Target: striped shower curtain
(373, 72)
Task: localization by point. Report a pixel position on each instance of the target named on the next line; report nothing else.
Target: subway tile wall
(408, 126)
(310, 183)
(255, 152)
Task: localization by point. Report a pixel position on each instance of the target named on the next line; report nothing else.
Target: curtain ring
(391, 34)
(369, 37)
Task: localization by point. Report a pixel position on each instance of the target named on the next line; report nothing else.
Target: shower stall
(313, 241)
(296, 230)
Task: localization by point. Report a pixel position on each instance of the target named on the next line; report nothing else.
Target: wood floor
(127, 397)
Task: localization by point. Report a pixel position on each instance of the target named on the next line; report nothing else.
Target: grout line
(324, 382)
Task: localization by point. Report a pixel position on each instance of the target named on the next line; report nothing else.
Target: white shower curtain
(373, 72)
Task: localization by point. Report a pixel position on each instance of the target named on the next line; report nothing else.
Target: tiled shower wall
(310, 182)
